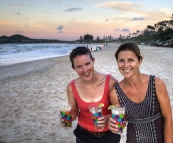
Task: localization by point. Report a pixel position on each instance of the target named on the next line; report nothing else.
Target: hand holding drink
(96, 113)
(118, 114)
(65, 112)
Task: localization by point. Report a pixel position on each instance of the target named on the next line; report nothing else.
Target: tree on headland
(17, 38)
(151, 29)
(134, 34)
(137, 32)
(108, 38)
(129, 34)
(98, 39)
(88, 38)
(120, 37)
(171, 24)
(160, 34)
(81, 39)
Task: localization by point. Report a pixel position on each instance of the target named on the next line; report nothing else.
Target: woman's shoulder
(159, 81)
(161, 89)
(106, 75)
(112, 82)
(112, 78)
(74, 80)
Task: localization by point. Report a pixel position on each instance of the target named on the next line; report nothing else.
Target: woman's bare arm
(165, 107)
(72, 102)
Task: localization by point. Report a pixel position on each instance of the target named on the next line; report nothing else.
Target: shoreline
(32, 92)
(8, 71)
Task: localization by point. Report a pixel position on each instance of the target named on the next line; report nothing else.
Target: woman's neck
(133, 81)
(92, 81)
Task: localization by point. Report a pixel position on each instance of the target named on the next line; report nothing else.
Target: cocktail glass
(118, 114)
(96, 112)
(65, 112)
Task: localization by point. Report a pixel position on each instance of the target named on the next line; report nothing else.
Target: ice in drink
(66, 115)
(96, 113)
(118, 114)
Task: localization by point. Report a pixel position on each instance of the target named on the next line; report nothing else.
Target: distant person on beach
(90, 87)
(97, 48)
(145, 97)
(100, 48)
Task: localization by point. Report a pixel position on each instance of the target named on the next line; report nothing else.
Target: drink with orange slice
(96, 112)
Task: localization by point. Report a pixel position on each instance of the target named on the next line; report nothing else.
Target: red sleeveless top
(84, 117)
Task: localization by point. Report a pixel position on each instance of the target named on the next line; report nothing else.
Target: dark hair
(129, 46)
(79, 51)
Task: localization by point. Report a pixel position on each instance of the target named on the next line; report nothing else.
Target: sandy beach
(32, 92)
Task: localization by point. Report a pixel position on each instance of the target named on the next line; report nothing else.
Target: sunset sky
(70, 19)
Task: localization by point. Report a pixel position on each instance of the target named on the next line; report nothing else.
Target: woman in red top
(90, 87)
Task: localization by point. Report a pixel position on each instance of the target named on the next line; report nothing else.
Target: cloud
(73, 9)
(18, 31)
(60, 27)
(18, 13)
(137, 8)
(121, 6)
(137, 18)
(158, 14)
(116, 29)
(5, 23)
(47, 11)
(125, 30)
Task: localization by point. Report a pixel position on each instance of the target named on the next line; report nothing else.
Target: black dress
(145, 122)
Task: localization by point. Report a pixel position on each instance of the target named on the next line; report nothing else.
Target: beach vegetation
(98, 39)
(88, 38)
(159, 34)
(17, 38)
(81, 39)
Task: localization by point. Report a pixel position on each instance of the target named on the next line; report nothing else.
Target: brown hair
(129, 46)
(79, 51)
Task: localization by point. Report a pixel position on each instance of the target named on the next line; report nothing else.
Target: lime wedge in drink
(111, 107)
(100, 105)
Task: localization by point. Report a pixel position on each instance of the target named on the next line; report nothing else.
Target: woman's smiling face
(128, 63)
(84, 66)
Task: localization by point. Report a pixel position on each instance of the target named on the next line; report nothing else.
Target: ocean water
(17, 53)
